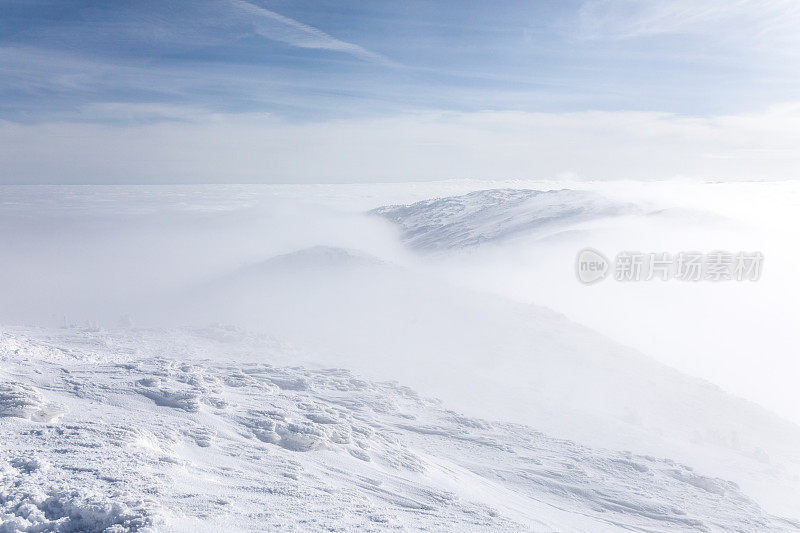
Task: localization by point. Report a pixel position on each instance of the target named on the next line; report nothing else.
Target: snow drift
(500, 359)
(175, 430)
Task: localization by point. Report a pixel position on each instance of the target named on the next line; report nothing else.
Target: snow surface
(494, 215)
(191, 430)
(741, 336)
(178, 426)
(499, 359)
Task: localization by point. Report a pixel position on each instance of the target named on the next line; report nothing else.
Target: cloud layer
(260, 90)
(430, 145)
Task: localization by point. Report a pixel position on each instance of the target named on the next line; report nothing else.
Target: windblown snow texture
(494, 215)
(192, 430)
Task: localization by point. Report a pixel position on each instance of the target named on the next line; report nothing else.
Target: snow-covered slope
(494, 215)
(69, 398)
(194, 430)
(499, 359)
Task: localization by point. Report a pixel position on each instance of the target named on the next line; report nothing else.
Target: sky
(280, 91)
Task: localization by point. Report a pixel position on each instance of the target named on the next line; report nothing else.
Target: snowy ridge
(494, 215)
(154, 435)
(319, 258)
(499, 359)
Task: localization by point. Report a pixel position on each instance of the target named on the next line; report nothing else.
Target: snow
(385, 367)
(737, 336)
(155, 435)
(494, 215)
(495, 358)
(23, 401)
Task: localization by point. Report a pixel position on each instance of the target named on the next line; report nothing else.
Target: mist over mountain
(230, 354)
(291, 265)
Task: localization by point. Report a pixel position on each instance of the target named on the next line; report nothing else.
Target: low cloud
(227, 148)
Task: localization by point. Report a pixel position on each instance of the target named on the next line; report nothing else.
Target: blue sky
(125, 65)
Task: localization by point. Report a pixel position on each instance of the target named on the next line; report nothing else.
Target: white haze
(95, 254)
(159, 144)
(309, 266)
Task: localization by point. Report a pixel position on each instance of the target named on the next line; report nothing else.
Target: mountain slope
(144, 432)
(495, 215)
(498, 359)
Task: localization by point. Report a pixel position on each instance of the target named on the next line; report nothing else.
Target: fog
(497, 326)
(93, 255)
